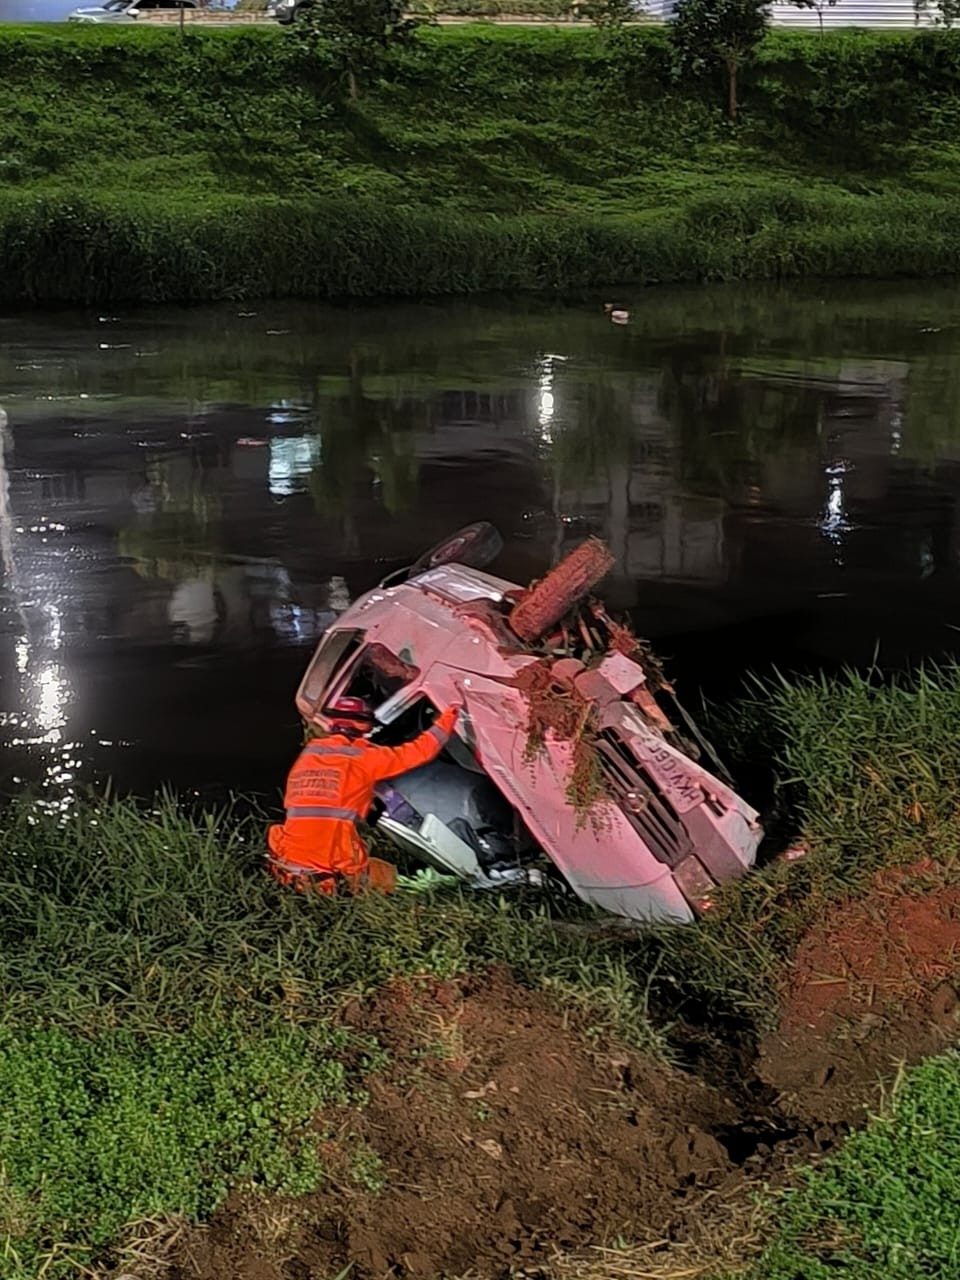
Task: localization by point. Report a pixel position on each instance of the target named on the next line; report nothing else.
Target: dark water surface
(188, 497)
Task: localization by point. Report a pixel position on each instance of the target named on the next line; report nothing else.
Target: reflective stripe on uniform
(293, 875)
(323, 811)
(319, 749)
(299, 869)
(442, 736)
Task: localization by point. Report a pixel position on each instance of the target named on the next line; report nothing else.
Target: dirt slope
(502, 1135)
(497, 1134)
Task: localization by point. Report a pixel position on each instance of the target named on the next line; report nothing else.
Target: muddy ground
(497, 1134)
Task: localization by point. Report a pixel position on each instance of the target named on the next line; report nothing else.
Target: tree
(819, 5)
(947, 12)
(724, 31)
(608, 15)
(352, 34)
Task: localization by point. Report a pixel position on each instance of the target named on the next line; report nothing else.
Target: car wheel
(475, 546)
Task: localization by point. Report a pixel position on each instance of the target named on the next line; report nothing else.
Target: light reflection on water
(292, 459)
(776, 473)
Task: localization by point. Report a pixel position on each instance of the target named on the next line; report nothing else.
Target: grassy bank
(168, 1017)
(224, 164)
(167, 1027)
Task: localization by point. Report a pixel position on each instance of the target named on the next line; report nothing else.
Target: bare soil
(502, 1135)
(871, 988)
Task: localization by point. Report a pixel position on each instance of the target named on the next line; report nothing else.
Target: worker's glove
(448, 718)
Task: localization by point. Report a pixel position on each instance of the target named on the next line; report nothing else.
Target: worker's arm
(388, 762)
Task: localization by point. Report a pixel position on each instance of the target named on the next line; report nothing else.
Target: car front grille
(642, 803)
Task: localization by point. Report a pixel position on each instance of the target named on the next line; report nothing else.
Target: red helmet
(350, 715)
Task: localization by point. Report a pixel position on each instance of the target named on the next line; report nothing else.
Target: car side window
(376, 674)
(335, 653)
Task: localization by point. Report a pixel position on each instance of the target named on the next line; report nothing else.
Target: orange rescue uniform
(330, 788)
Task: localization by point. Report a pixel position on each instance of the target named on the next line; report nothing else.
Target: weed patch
(97, 1133)
(110, 917)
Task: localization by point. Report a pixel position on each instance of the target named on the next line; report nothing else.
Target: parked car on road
(287, 11)
(127, 10)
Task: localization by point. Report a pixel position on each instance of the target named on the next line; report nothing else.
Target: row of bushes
(58, 248)
(901, 76)
(549, 10)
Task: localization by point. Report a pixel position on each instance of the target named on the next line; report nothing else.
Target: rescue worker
(330, 788)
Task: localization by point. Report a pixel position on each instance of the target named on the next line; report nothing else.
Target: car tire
(476, 546)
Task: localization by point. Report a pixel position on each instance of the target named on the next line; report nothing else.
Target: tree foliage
(352, 36)
(608, 15)
(706, 32)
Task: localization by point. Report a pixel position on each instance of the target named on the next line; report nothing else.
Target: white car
(287, 11)
(127, 10)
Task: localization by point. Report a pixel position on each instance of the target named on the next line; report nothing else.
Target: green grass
(883, 1207)
(223, 164)
(112, 917)
(166, 1015)
(196, 247)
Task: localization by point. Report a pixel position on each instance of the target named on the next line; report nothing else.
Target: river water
(188, 497)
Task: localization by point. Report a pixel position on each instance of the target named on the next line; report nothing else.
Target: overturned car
(565, 765)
